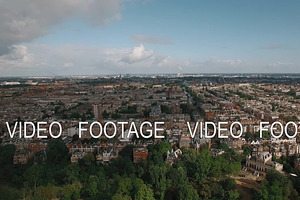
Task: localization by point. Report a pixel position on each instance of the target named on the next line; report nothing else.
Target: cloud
(82, 60)
(215, 65)
(68, 64)
(23, 21)
(282, 67)
(136, 54)
(52, 60)
(129, 56)
(151, 39)
(222, 62)
(280, 64)
(18, 55)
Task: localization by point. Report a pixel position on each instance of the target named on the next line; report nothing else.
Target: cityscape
(174, 167)
(149, 100)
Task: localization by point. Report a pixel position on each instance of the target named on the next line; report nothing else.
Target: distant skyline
(76, 37)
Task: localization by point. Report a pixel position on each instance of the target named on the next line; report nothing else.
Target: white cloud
(36, 60)
(136, 54)
(222, 62)
(78, 60)
(18, 55)
(280, 64)
(68, 64)
(23, 21)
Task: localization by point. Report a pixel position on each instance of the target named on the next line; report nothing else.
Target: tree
(247, 149)
(71, 191)
(75, 138)
(223, 146)
(217, 191)
(40, 157)
(144, 193)
(6, 161)
(6, 154)
(276, 186)
(87, 167)
(92, 186)
(124, 187)
(187, 192)
(185, 108)
(46, 192)
(131, 188)
(165, 109)
(203, 165)
(158, 152)
(105, 114)
(127, 151)
(233, 195)
(33, 175)
(178, 176)
(9, 193)
(71, 173)
(159, 180)
(57, 153)
(102, 177)
(229, 184)
(121, 166)
(121, 197)
(205, 191)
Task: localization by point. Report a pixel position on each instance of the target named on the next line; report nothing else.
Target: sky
(98, 37)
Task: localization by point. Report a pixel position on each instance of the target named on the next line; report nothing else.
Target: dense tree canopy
(197, 174)
(277, 186)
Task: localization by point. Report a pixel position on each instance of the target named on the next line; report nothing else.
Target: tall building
(97, 112)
